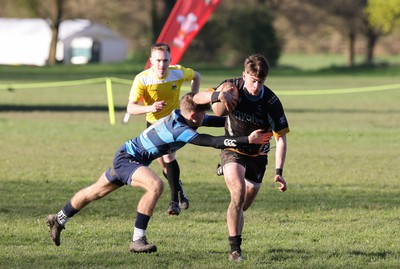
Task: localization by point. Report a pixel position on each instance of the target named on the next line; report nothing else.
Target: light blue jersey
(165, 136)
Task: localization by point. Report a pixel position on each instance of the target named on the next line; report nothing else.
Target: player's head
(255, 72)
(160, 46)
(256, 65)
(160, 58)
(193, 112)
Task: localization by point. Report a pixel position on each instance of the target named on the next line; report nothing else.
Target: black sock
(173, 174)
(141, 221)
(235, 242)
(69, 210)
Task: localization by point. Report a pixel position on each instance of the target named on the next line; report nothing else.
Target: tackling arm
(221, 142)
(213, 121)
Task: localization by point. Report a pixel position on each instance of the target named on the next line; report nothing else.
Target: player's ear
(193, 116)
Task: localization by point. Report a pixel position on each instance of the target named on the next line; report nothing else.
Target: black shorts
(124, 165)
(255, 166)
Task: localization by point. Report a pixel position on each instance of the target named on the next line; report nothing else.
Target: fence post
(111, 111)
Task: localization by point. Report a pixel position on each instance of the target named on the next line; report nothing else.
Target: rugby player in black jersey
(257, 107)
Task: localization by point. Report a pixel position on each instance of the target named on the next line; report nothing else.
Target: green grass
(323, 61)
(341, 209)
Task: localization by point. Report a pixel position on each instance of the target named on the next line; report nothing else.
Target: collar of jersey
(178, 116)
(252, 97)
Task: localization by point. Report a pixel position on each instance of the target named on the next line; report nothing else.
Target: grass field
(341, 209)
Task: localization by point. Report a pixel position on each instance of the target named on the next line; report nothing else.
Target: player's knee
(237, 199)
(158, 187)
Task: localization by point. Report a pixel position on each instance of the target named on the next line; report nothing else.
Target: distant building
(27, 42)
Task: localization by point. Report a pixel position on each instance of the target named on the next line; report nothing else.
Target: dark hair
(160, 46)
(188, 104)
(256, 65)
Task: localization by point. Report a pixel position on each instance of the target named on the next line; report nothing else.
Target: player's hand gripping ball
(228, 97)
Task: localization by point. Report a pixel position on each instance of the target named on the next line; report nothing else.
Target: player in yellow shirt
(159, 87)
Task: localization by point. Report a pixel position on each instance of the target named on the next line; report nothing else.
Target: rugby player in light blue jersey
(132, 160)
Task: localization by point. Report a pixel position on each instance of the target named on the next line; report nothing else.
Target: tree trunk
(372, 38)
(55, 26)
(351, 55)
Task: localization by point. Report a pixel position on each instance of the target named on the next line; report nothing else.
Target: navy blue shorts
(124, 165)
(255, 166)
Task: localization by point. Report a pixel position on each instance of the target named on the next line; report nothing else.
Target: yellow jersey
(148, 86)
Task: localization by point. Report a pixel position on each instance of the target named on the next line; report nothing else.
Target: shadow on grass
(35, 198)
(101, 108)
(378, 254)
(21, 200)
(282, 254)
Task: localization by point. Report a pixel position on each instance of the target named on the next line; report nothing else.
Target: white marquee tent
(27, 42)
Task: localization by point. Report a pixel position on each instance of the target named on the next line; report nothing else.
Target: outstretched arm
(220, 142)
(213, 121)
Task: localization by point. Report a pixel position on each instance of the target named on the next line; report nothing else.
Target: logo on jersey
(252, 118)
(230, 142)
(272, 100)
(282, 120)
(174, 86)
(264, 149)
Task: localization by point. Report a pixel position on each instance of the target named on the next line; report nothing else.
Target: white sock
(62, 218)
(138, 233)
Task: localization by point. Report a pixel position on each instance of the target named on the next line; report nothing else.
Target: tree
(236, 30)
(350, 17)
(257, 35)
(384, 15)
(55, 26)
(233, 30)
(347, 17)
(50, 10)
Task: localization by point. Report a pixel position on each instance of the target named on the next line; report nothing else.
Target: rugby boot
(142, 246)
(55, 228)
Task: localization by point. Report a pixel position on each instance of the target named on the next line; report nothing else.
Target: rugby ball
(219, 108)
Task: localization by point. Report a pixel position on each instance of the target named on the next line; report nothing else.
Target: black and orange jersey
(264, 111)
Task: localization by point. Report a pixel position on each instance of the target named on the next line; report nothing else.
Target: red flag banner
(183, 24)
